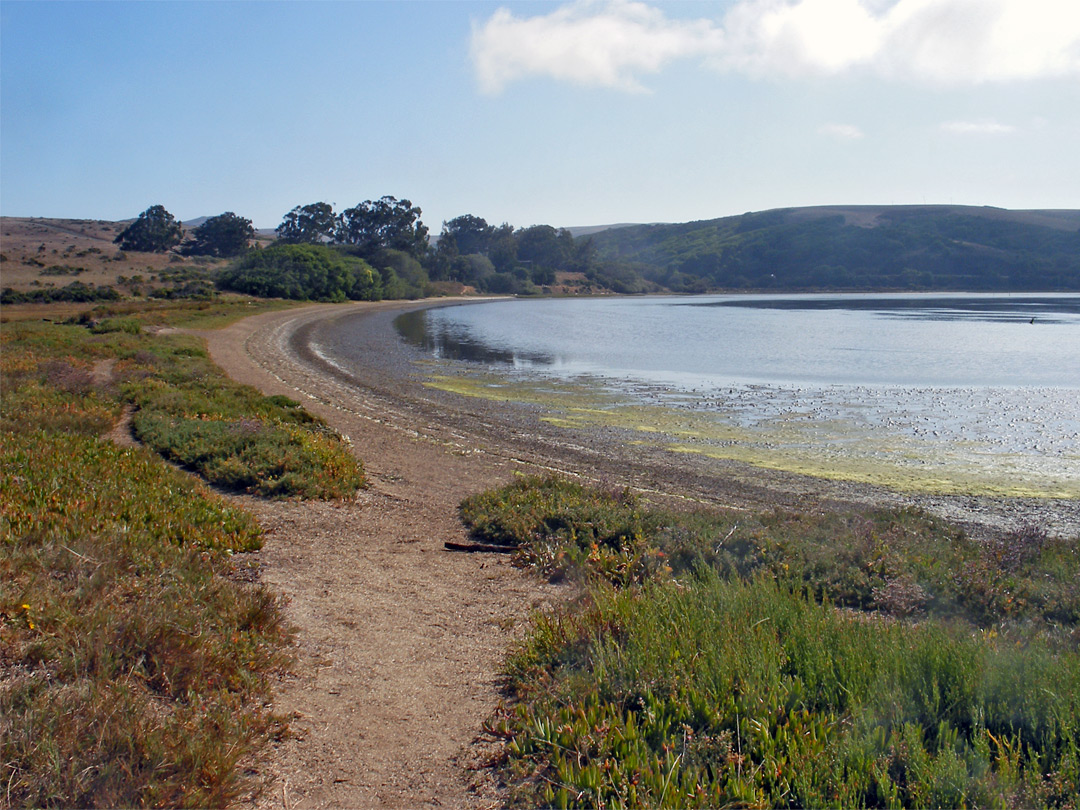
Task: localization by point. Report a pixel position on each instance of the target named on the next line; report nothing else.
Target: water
(969, 390)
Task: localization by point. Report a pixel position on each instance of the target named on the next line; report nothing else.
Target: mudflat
(400, 640)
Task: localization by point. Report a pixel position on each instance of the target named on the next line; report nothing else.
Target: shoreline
(399, 641)
(510, 429)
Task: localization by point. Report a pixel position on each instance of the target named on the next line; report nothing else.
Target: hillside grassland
(135, 657)
(42, 257)
(843, 248)
(871, 659)
(855, 248)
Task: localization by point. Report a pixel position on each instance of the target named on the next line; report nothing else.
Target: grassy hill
(855, 247)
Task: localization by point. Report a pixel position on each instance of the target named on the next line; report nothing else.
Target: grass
(876, 659)
(185, 408)
(134, 663)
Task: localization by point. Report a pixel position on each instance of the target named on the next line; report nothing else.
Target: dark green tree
(224, 235)
(155, 231)
(308, 224)
(543, 246)
(387, 222)
(503, 248)
(469, 234)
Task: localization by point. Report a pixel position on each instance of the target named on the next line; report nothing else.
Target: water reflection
(452, 341)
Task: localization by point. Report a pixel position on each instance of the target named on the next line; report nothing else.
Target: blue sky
(561, 113)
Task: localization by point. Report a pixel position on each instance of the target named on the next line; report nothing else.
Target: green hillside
(856, 247)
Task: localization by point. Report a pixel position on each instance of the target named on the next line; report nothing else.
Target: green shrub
(900, 562)
(303, 272)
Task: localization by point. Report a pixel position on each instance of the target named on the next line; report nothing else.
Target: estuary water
(944, 392)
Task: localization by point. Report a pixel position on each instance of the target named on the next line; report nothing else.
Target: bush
(76, 292)
(303, 272)
(900, 562)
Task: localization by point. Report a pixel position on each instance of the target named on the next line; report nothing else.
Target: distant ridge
(589, 230)
(851, 247)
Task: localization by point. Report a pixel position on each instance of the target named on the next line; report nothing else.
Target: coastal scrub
(871, 659)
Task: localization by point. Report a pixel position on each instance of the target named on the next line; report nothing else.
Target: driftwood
(450, 546)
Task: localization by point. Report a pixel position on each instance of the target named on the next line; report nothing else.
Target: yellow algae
(881, 473)
(829, 448)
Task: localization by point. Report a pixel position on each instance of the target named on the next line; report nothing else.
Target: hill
(77, 260)
(854, 247)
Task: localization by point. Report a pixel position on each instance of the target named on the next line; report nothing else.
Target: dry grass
(134, 667)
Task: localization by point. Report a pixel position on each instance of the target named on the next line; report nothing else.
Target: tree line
(375, 249)
(381, 248)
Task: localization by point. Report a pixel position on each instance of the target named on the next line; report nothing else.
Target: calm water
(987, 384)
(940, 340)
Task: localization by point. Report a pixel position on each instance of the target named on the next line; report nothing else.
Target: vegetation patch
(880, 658)
(134, 669)
(305, 273)
(233, 436)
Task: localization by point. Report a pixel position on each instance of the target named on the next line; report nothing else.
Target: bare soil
(400, 640)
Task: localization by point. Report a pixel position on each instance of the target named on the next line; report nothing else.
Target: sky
(562, 113)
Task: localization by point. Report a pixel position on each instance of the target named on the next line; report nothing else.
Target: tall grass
(763, 661)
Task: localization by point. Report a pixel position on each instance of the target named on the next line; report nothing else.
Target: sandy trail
(399, 640)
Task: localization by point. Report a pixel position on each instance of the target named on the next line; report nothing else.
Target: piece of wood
(451, 546)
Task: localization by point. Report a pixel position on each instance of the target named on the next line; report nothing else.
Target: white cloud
(842, 132)
(614, 43)
(977, 128)
(591, 43)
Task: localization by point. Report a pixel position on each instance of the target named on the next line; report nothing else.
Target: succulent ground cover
(134, 665)
(875, 659)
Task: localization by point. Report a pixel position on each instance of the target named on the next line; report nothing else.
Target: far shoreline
(389, 386)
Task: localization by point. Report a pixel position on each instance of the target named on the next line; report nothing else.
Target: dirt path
(399, 640)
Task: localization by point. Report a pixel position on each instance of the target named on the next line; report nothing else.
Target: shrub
(303, 272)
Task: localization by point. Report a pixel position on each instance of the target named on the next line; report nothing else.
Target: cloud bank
(613, 43)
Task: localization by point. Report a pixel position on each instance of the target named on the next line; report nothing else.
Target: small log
(451, 546)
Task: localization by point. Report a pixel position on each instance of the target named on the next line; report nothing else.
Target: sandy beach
(400, 640)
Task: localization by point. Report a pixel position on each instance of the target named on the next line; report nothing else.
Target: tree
(223, 235)
(308, 224)
(544, 246)
(384, 223)
(155, 231)
(503, 248)
(470, 234)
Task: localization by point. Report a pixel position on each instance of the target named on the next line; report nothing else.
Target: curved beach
(400, 641)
